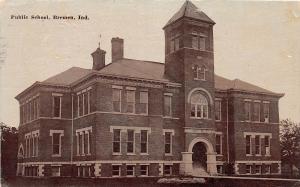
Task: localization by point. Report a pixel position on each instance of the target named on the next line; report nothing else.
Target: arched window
(21, 152)
(199, 105)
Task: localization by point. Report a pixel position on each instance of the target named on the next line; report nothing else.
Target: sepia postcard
(150, 93)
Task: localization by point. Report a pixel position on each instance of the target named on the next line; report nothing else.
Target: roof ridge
(144, 61)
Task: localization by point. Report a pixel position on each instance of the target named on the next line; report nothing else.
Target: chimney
(98, 59)
(117, 49)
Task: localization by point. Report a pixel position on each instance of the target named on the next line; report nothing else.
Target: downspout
(72, 127)
(227, 123)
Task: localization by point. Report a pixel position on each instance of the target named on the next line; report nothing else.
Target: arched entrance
(199, 158)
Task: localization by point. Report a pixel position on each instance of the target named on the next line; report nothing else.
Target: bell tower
(189, 60)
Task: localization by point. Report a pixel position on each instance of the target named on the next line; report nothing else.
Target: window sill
(56, 117)
(169, 154)
(56, 155)
(268, 155)
(144, 153)
(116, 154)
(257, 154)
(130, 154)
(196, 79)
(219, 154)
(249, 155)
(199, 118)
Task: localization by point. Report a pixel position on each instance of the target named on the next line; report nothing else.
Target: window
(143, 102)
(199, 106)
(258, 169)
(35, 145)
(29, 110)
(130, 141)
(57, 106)
(167, 170)
(219, 169)
(248, 169)
(219, 144)
(267, 145)
(84, 141)
(168, 105)
(256, 111)
(247, 110)
(174, 44)
(202, 43)
(198, 43)
(80, 104)
(21, 152)
(266, 112)
(218, 110)
(84, 171)
(257, 145)
(195, 42)
(55, 171)
(56, 143)
(168, 143)
(130, 170)
(201, 73)
(84, 102)
(130, 101)
(248, 145)
(116, 141)
(268, 169)
(144, 170)
(116, 99)
(144, 141)
(116, 170)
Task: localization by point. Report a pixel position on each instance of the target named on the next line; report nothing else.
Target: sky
(255, 41)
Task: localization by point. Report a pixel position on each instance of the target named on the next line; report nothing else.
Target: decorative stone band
(104, 162)
(125, 128)
(253, 134)
(199, 130)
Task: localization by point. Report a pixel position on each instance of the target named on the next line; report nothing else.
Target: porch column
(211, 163)
(186, 167)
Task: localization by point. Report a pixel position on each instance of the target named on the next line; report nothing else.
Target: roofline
(124, 77)
(208, 22)
(251, 92)
(38, 83)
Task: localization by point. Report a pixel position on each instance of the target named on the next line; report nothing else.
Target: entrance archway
(200, 151)
(199, 157)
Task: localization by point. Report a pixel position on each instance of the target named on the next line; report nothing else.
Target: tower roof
(189, 10)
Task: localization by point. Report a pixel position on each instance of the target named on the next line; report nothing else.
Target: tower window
(174, 44)
(198, 43)
(199, 106)
(200, 73)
